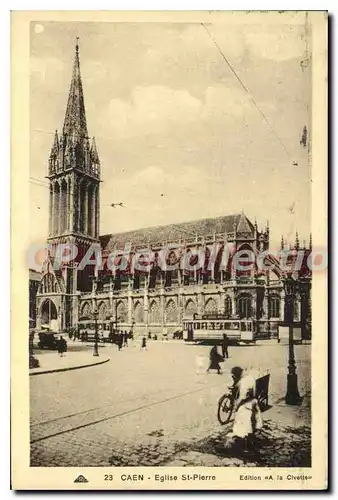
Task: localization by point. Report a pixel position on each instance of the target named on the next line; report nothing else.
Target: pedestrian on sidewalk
(125, 339)
(62, 346)
(101, 336)
(120, 341)
(214, 360)
(225, 345)
(144, 343)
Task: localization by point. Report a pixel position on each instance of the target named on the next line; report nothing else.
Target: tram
(211, 328)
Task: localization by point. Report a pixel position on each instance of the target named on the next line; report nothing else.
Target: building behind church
(156, 300)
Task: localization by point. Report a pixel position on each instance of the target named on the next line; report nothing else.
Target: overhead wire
(241, 83)
(234, 72)
(252, 99)
(46, 185)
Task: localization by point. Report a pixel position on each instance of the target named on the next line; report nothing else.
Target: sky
(178, 137)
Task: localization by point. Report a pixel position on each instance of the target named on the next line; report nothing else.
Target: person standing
(62, 346)
(101, 336)
(120, 341)
(214, 360)
(225, 345)
(248, 418)
(144, 343)
(125, 339)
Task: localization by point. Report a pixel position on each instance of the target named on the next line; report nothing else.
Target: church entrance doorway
(49, 315)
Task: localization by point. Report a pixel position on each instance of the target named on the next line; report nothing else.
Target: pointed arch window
(86, 310)
(190, 309)
(138, 313)
(274, 306)
(154, 312)
(211, 306)
(121, 312)
(171, 312)
(244, 306)
(228, 307)
(103, 311)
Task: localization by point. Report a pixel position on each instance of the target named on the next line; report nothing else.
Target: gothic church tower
(74, 177)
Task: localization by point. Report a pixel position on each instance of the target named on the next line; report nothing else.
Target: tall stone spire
(72, 149)
(75, 124)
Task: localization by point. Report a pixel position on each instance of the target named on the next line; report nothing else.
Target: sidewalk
(284, 441)
(52, 362)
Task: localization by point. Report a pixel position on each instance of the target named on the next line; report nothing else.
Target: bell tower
(74, 180)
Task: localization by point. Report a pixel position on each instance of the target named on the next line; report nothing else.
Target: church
(155, 301)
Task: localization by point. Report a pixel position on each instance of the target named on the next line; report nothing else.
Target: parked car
(178, 334)
(48, 340)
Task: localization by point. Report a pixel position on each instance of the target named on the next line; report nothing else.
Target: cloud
(94, 72)
(171, 119)
(158, 109)
(221, 101)
(156, 176)
(274, 42)
(151, 110)
(153, 192)
(151, 174)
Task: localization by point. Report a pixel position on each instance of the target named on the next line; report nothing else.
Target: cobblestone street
(158, 407)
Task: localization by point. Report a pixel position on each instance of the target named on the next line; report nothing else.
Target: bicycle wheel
(224, 410)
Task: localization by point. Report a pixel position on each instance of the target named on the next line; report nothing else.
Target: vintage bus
(211, 328)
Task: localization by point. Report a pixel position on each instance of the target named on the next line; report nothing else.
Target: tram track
(66, 419)
(83, 412)
(116, 415)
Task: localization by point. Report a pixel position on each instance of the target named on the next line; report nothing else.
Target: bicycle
(226, 405)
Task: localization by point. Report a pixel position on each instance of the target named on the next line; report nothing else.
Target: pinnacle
(75, 123)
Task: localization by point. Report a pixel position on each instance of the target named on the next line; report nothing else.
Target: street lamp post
(304, 293)
(96, 348)
(292, 396)
(95, 314)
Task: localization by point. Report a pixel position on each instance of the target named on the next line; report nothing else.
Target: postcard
(169, 250)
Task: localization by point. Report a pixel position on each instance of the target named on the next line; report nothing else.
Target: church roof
(175, 232)
(75, 123)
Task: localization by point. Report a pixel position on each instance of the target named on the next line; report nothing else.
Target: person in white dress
(248, 418)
